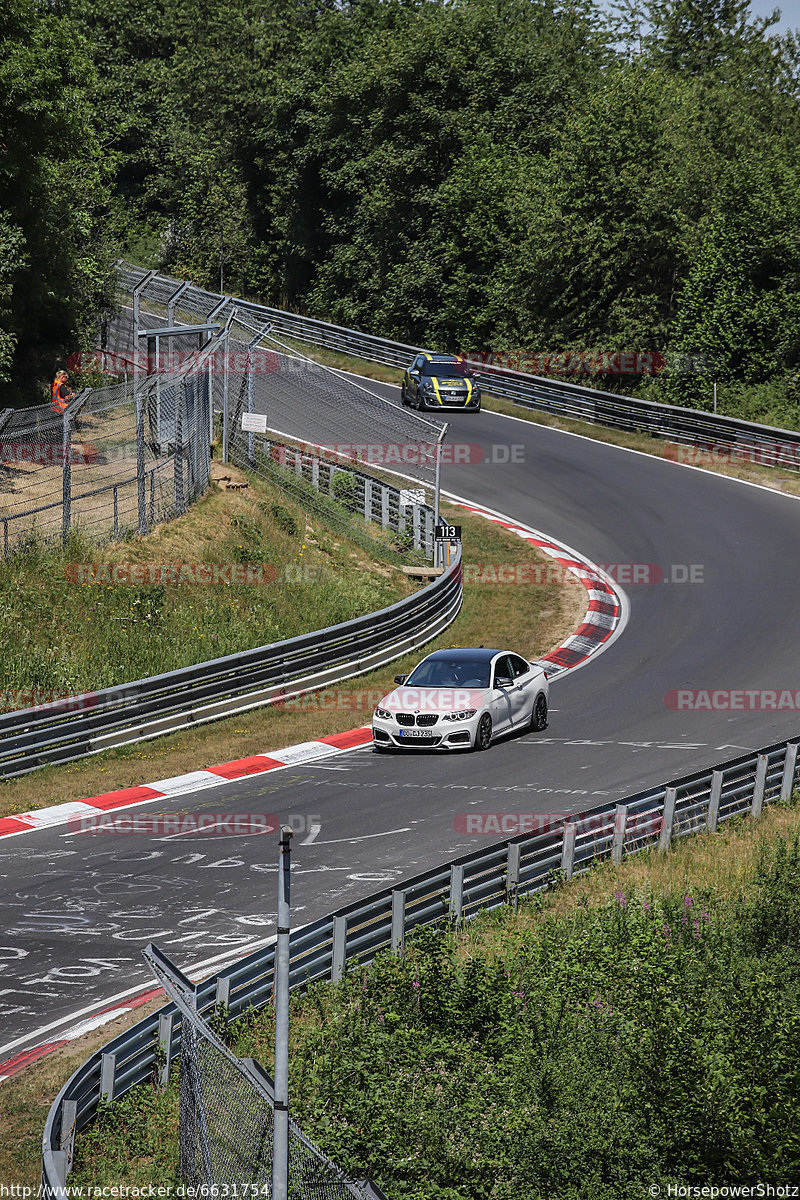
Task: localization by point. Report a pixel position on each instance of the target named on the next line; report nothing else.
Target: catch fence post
(66, 480)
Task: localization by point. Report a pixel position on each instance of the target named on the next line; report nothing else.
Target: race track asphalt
(77, 909)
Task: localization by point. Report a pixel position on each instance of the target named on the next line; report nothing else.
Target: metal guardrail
(36, 737)
(485, 879)
(766, 444)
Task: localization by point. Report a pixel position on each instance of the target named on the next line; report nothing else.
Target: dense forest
(483, 175)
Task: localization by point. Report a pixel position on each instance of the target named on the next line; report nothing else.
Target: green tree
(51, 197)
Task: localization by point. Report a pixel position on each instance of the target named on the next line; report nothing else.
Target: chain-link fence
(119, 459)
(340, 425)
(316, 404)
(226, 1115)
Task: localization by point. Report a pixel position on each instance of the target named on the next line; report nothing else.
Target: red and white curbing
(607, 609)
(605, 617)
(18, 1062)
(257, 764)
(603, 621)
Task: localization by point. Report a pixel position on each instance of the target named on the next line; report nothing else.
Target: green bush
(650, 1041)
(344, 487)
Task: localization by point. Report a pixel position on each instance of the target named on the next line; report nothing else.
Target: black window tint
(503, 669)
(519, 665)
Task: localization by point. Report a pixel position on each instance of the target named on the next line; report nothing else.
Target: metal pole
(439, 441)
(251, 441)
(66, 467)
(715, 399)
(140, 460)
(178, 462)
(280, 1135)
(225, 403)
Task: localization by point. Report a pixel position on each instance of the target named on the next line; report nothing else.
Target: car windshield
(446, 672)
(444, 370)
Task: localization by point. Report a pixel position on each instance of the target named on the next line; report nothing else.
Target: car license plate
(415, 733)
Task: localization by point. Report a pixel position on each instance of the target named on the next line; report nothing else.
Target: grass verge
(532, 618)
(636, 1028)
(63, 635)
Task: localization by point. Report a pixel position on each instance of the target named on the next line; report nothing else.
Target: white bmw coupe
(457, 699)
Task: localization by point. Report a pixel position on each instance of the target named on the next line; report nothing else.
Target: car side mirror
(502, 682)
(400, 678)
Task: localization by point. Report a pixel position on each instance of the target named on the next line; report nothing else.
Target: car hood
(434, 700)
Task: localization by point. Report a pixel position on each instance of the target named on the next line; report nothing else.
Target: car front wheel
(483, 734)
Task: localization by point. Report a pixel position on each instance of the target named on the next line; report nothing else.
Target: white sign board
(410, 496)
(254, 423)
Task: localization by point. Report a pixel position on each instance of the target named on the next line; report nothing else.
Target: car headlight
(383, 714)
(464, 715)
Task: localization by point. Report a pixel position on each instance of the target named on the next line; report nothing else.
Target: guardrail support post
(60, 1163)
(758, 790)
(165, 1046)
(665, 840)
(384, 506)
(416, 525)
(223, 992)
(339, 944)
(398, 920)
(367, 500)
(456, 907)
(618, 844)
(512, 873)
(789, 766)
(69, 1116)
(108, 1067)
(568, 849)
(713, 800)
